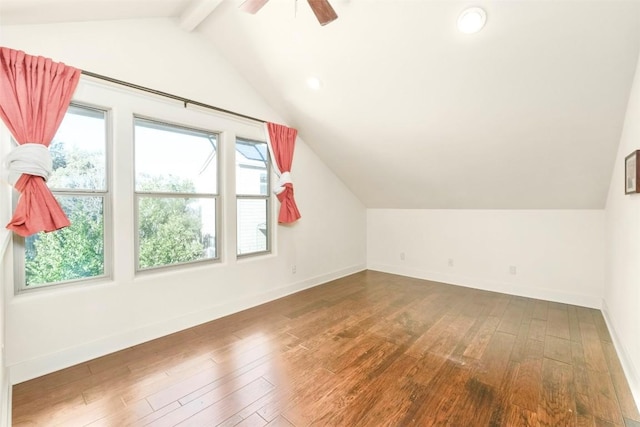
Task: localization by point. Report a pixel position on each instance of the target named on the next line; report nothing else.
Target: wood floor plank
(475, 398)
(601, 326)
(512, 317)
(43, 412)
(592, 346)
(476, 348)
(206, 382)
(620, 384)
(580, 373)
(215, 406)
(602, 423)
(558, 349)
(409, 379)
(253, 420)
(538, 329)
(422, 344)
(450, 381)
(130, 414)
(370, 349)
(526, 388)
(585, 315)
(516, 416)
(602, 396)
(47, 383)
(583, 414)
(280, 421)
(375, 396)
(82, 415)
(50, 396)
(496, 359)
(574, 323)
(344, 387)
(558, 322)
(453, 334)
(519, 350)
(148, 419)
(500, 303)
(540, 311)
(557, 406)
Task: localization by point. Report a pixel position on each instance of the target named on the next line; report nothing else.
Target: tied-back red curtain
(282, 141)
(35, 93)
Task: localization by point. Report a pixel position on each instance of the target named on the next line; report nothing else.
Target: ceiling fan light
(472, 20)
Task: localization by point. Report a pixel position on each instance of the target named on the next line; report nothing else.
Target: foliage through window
(252, 192)
(176, 184)
(79, 182)
(174, 173)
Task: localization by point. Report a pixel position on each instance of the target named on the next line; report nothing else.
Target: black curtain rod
(185, 101)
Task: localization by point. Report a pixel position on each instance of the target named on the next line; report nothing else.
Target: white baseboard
(630, 370)
(494, 286)
(33, 368)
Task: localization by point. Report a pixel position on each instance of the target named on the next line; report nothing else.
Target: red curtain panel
(35, 93)
(282, 140)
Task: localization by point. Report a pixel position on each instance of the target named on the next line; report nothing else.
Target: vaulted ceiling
(526, 114)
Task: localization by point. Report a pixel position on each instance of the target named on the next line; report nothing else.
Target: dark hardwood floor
(371, 349)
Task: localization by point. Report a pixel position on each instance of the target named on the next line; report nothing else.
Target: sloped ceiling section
(526, 114)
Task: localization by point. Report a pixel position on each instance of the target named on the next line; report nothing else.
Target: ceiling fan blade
(252, 6)
(323, 11)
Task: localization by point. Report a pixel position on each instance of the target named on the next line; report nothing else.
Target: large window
(252, 192)
(176, 186)
(143, 183)
(80, 184)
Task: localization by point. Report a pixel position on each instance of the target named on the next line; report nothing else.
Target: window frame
(19, 242)
(267, 197)
(137, 195)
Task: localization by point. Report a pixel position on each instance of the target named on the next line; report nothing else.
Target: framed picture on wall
(632, 173)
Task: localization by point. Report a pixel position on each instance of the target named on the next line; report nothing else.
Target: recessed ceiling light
(471, 20)
(314, 83)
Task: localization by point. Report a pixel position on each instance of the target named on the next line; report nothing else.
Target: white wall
(5, 238)
(52, 329)
(622, 293)
(557, 255)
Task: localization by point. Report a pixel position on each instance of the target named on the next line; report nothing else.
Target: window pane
(175, 230)
(251, 168)
(252, 226)
(78, 151)
(172, 159)
(74, 252)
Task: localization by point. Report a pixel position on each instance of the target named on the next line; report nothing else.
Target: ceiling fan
(321, 8)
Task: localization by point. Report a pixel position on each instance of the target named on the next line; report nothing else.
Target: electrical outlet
(450, 262)
(293, 269)
(401, 256)
(512, 269)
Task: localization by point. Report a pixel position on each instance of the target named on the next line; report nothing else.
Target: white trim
(5, 403)
(630, 370)
(5, 239)
(494, 286)
(274, 162)
(33, 368)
